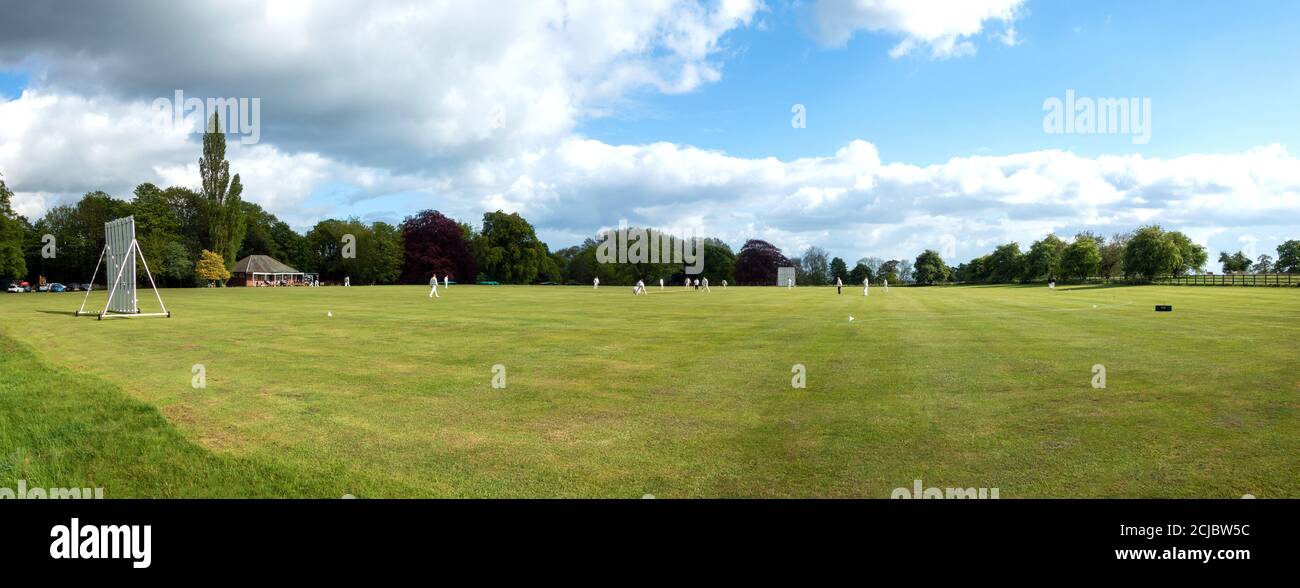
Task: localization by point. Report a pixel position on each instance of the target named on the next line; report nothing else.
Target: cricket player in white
(724, 284)
(885, 281)
(706, 285)
(446, 281)
(661, 283)
(866, 286)
(595, 283)
(838, 284)
(640, 287)
(347, 281)
(789, 283)
(433, 288)
(688, 282)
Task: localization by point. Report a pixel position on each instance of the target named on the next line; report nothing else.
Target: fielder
(595, 283)
(446, 281)
(866, 286)
(706, 285)
(838, 285)
(639, 288)
(433, 288)
(661, 283)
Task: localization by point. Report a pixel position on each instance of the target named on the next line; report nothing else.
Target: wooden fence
(1230, 280)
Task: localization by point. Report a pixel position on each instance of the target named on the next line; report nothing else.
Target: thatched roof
(262, 264)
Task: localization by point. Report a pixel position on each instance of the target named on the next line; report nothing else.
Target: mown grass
(674, 394)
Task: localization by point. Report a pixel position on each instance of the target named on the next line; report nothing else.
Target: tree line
(191, 238)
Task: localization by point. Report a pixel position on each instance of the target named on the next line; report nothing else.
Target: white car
(15, 288)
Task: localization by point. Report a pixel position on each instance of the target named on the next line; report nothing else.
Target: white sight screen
(118, 235)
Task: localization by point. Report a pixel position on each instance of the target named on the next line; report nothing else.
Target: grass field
(675, 394)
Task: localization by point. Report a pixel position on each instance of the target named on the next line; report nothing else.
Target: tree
(13, 232)
(1151, 252)
(223, 211)
(211, 268)
(905, 271)
(1234, 263)
(1264, 265)
(1191, 257)
(839, 270)
(1082, 258)
(930, 268)
(507, 249)
(384, 264)
(719, 262)
(1288, 257)
(1043, 259)
(873, 264)
(1112, 255)
(435, 245)
(816, 266)
(1006, 264)
(859, 273)
(889, 271)
(757, 262)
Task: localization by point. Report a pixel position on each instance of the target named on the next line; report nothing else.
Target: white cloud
(943, 27)
(393, 84)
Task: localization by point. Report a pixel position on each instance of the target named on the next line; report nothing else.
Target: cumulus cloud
(857, 204)
(394, 84)
(468, 107)
(944, 28)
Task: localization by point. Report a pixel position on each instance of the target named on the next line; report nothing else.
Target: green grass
(675, 394)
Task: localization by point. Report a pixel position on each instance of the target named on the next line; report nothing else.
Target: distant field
(675, 394)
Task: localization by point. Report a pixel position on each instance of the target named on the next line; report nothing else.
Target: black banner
(322, 537)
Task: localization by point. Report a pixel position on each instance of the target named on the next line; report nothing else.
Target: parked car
(43, 288)
(57, 287)
(19, 287)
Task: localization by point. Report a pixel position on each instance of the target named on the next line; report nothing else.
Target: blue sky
(1220, 77)
(924, 126)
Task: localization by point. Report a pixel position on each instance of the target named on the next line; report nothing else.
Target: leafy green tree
(1191, 257)
(368, 254)
(1006, 264)
(1288, 257)
(930, 268)
(1234, 263)
(859, 273)
(507, 249)
(1044, 258)
(839, 270)
(1263, 265)
(223, 209)
(890, 271)
(384, 264)
(1082, 258)
(719, 262)
(1112, 255)
(13, 233)
(1151, 252)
